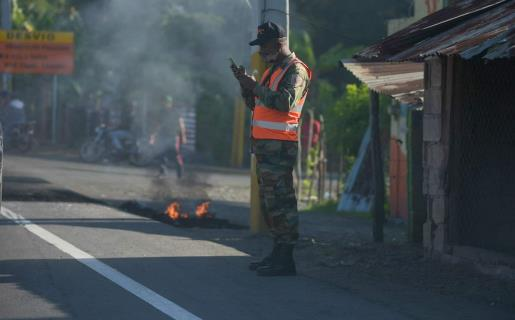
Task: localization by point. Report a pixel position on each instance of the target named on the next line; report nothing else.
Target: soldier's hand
(237, 71)
(245, 93)
(247, 82)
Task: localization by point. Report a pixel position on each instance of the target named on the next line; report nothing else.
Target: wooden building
(458, 65)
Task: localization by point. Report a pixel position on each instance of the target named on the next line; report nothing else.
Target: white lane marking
(157, 301)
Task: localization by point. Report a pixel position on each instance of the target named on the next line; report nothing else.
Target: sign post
(38, 52)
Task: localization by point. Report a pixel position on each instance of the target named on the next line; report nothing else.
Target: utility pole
(377, 165)
(275, 11)
(6, 23)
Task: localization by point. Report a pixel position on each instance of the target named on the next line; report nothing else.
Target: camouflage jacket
(293, 86)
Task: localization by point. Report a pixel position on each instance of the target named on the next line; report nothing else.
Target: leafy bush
(347, 119)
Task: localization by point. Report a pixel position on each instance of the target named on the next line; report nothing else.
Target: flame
(202, 210)
(173, 210)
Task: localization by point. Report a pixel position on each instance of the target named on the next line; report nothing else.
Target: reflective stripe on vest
(297, 108)
(275, 125)
(268, 123)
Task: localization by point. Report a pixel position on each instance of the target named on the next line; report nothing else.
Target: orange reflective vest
(268, 123)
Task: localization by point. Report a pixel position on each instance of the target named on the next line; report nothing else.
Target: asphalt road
(63, 258)
(228, 190)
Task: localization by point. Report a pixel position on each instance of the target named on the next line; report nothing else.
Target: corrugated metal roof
(471, 29)
(403, 81)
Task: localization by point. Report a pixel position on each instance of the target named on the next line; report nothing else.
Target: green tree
(347, 119)
(44, 15)
(329, 32)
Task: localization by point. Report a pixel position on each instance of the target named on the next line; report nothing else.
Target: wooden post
(312, 181)
(377, 165)
(322, 167)
(340, 174)
(310, 136)
(330, 172)
(299, 172)
(308, 151)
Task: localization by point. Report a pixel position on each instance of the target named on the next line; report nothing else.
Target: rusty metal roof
(472, 28)
(403, 81)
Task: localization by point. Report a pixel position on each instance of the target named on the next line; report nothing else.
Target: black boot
(283, 265)
(266, 260)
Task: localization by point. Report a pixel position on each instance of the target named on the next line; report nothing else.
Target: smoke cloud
(161, 47)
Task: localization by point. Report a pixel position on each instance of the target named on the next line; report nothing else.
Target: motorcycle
(101, 147)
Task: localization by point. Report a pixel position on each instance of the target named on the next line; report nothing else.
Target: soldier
(276, 103)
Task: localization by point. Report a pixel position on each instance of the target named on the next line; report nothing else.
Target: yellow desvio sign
(37, 52)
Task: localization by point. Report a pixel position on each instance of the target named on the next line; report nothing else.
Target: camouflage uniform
(276, 158)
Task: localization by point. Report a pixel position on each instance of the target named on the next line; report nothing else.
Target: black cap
(268, 31)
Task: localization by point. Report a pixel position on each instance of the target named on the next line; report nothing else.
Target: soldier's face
(269, 51)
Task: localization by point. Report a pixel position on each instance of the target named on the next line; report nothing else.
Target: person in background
(97, 114)
(12, 114)
(4, 102)
(168, 137)
(121, 130)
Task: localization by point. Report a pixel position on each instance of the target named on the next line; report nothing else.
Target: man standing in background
(12, 114)
(276, 103)
(170, 134)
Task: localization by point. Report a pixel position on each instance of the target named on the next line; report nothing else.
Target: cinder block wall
(436, 144)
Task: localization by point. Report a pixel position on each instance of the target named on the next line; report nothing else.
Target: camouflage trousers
(275, 162)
